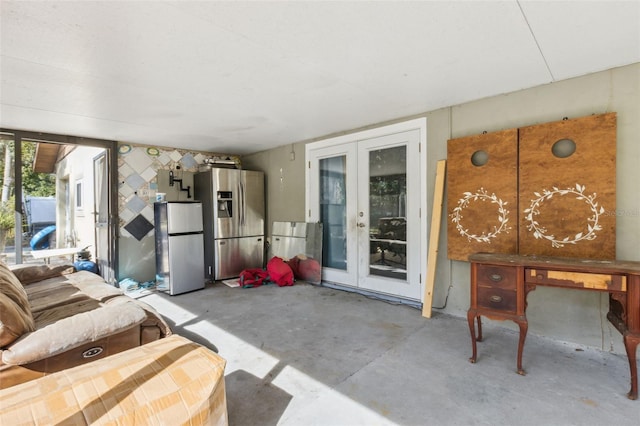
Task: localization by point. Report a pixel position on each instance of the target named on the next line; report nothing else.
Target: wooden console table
(500, 284)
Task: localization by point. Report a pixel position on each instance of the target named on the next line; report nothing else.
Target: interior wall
(284, 183)
(567, 315)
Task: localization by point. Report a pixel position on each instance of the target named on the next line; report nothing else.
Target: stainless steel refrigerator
(179, 246)
(233, 209)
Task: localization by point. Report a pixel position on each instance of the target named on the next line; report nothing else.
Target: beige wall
(572, 316)
(284, 182)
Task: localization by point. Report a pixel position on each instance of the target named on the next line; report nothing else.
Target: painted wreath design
(481, 195)
(592, 222)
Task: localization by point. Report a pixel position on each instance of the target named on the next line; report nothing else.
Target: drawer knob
(495, 299)
(91, 352)
(495, 277)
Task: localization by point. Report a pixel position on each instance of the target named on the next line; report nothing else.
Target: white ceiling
(240, 77)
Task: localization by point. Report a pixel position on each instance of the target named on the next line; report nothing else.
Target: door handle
(242, 204)
(361, 225)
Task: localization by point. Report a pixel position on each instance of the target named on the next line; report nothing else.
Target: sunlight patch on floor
(170, 310)
(315, 403)
(312, 403)
(239, 354)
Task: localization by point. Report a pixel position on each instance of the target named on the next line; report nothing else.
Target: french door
(368, 195)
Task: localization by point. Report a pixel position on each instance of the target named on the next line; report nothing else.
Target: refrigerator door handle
(242, 204)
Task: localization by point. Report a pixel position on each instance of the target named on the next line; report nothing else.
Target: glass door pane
(387, 212)
(333, 211)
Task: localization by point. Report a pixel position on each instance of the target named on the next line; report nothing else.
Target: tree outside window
(34, 184)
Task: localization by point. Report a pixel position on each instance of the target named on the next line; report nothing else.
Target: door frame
(419, 124)
(112, 163)
(104, 260)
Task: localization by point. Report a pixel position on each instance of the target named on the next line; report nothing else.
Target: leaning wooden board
(567, 205)
(482, 199)
(434, 237)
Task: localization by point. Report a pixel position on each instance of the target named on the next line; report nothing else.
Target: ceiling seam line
(99, 77)
(80, 115)
(544, 59)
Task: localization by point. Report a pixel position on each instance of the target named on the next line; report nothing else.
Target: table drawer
(498, 299)
(569, 279)
(496, 276)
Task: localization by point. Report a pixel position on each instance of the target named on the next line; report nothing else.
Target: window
(79, 197)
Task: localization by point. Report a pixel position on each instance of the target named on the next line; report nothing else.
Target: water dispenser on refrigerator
(225, 204)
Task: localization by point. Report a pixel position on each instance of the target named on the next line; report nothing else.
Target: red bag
(252, 277)
(305, 268)
(293, 263)
(279, 272)
(310, 271)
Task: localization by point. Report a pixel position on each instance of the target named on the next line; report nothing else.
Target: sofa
(53, 318)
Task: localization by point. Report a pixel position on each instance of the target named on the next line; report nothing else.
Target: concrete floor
(309, 355)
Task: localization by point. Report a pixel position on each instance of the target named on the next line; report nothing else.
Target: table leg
(631, 345)
(471, 318)
(524, 326)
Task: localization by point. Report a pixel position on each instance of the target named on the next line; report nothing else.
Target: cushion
(72, 332)
(68, 288)
(154, 319)
(55, 314)
(15, 313)
(53, 292)
(28, 274)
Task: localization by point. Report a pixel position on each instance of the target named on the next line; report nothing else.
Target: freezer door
(186, 257)
(233, 255)
(184, 217)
